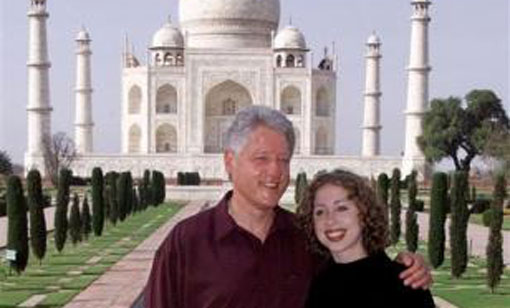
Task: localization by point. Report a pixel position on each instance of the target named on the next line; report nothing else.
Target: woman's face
(337, 224)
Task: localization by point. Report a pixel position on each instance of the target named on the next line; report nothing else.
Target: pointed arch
(221, 104)
(166, 139)
(166, 99)
(134, 100)
(322, 103)
(290, 100)
(290, 61)
(321, 141)
(135, 136)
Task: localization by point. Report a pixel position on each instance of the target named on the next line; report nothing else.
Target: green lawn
(471, 290)
(63, 275)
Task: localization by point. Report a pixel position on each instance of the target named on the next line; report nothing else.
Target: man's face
(260, 171)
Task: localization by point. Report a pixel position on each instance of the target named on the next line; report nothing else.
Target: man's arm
(417, 275)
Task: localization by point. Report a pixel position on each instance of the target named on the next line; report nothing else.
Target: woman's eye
(341, 208)
(318, 213)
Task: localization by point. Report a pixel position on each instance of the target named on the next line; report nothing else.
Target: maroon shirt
(208, 261)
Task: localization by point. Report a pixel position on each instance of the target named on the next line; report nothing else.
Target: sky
(469, 49)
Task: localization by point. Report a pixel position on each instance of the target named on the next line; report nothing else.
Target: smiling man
(246, 251)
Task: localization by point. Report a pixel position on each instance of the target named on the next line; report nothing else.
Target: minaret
(38, 107)
(417, 87)
(83, 117)
(372, 95)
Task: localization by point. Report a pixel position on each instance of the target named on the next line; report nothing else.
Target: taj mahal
(221, 56)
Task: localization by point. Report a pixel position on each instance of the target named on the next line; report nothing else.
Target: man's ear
(229, 161)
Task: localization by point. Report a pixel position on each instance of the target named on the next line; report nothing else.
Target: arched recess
(134, 100)
(166, 99)
(290, 61)
(322, 104)
(297, 147)
(221, 104)
(290, 100)
(166, 139)
(321, 141)
(135, 136)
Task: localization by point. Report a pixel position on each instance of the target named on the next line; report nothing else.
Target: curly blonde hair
(372, 214)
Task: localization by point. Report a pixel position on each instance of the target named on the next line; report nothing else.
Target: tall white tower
(83, 124)
(371, 124)
(417, 87)
(38, 108)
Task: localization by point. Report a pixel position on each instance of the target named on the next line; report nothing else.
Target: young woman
(345, 223)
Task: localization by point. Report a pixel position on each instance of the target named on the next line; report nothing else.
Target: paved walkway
(120, 286)
(49, 215)
(477, 236)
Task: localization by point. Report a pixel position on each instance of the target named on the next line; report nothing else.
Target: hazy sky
(469, 48)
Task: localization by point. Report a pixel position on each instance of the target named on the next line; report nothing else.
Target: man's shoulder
(198, 222)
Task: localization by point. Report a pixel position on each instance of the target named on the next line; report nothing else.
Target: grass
(63, 275)
(469, 291)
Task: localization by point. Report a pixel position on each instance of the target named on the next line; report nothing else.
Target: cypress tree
(106, 199)
(141, 202)
(17, 232)
(86, 223)
(412, 190)
(458, 225)
(382, 190)
(162, 187)
(147, 188)
(437, 218)
(135, 201)
(412, 230)
(129, 194)
(395, 206)
(61, 224)
(112, 197)
(35, 202)
(122, 191)
(301, 184)
(75, 224)
(97, 201)
(494, 250)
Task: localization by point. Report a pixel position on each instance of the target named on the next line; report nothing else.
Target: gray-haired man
(246, 251)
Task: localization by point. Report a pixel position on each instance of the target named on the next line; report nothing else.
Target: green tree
(461, 134)
(458, 225)
(437, 218)
(35, 202)
(136, 202)
(61, 223)
(129, 193)
(17, 232)
(86, 223)
(412, 189)
(97, 201)
(147, 188)
(5, 163)
(494, 251)
(395, 206)
(75, 223)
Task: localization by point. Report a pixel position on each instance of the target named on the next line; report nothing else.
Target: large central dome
(229, 23)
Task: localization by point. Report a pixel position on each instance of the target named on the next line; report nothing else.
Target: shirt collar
(224, 223)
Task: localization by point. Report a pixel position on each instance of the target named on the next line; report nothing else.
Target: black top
(369, 282)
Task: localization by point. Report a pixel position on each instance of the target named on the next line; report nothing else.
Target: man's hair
(249, 118)
(372, 214)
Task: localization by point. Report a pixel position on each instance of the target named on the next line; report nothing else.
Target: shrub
(480, 206)
(61, 224)
(419, 205)
(17, 232)
(487, 217)
(458, 225)
(158, 187)
(412, 230)
(301, 184)
(438, 205)
(35, 200)
(97, 201)
(111, 181)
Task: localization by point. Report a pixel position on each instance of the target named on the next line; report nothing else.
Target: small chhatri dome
(168, 36)
(373, 39)
(290, 38)
(83, 35)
